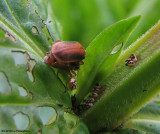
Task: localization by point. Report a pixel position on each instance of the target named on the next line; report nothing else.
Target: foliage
(33, 97)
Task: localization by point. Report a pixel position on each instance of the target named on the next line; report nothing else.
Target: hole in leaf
(21, 121)
(30, 76)
(46, 31)
(31, 95)
(35, 30)
(48, 115)
(70, 119)
(22, 91)
(31, 64)
(116, 49)
(23, 58)
(5, 86)
(19, 57)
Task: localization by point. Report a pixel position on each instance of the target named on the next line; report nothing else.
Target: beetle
(66, 55)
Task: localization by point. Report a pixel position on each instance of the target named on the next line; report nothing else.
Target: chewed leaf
(5, 86)
(48, 115)
(52, 26)
(22, 23)
(102, 54)
(30, 91)
(38, 119)
(35, 30)
(19, 57)
(24, 26)
(42, 82)
(22, 91)
(21, 121)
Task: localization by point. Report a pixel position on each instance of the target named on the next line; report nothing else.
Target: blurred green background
(82, 20)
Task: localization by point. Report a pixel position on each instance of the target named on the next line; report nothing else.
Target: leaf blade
(96, 65)
(130, 87)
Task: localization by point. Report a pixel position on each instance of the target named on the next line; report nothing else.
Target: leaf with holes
(31, 88)
(34, 97)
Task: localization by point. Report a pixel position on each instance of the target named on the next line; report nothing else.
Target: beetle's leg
(73, 72)
(70, 74)
(81, 63)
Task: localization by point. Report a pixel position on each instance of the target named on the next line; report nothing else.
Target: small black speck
(144, 90)
(50, 21)
(60, 105)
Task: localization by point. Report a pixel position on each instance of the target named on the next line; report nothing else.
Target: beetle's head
(49, 59)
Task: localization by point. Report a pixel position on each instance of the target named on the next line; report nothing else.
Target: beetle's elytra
(66, 55)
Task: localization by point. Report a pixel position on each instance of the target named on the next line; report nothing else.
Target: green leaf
(100, 57)
(19, 20)
(52, 25)
(26, 51)
(128, 88)
(32, 119)
(147, 119)
(31, 95)
(35, 77)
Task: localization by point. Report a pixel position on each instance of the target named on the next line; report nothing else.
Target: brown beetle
(67, 55)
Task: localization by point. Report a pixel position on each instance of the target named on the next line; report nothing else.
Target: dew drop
(116, 49)
(22, 91)
(48, 115)
(19, 57)
(35, 30)
(5, 86)
(21, 121)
